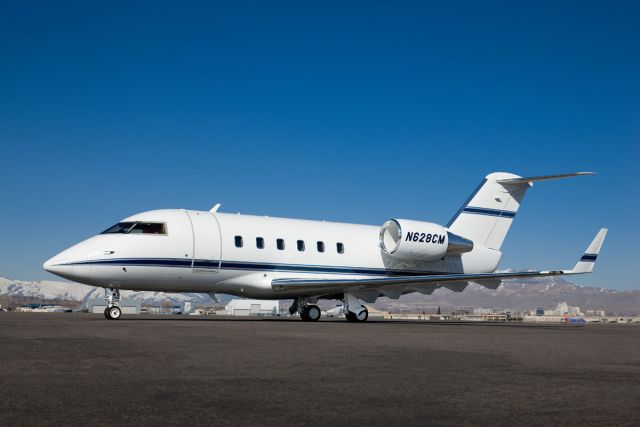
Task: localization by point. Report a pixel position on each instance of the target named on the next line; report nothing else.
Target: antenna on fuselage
(215, 208)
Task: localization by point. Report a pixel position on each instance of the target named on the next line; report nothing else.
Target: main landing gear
(308, 312)
(353, 310)
(113, 310)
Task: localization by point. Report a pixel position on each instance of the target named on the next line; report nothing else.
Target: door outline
(193, 242)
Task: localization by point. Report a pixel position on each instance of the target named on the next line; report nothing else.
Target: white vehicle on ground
(178, 250)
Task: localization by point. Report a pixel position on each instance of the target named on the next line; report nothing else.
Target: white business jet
(178, 250)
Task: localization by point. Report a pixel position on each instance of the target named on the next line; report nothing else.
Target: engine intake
(417, 240)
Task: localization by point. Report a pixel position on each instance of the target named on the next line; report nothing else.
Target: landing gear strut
(113, 310)
(308, 312)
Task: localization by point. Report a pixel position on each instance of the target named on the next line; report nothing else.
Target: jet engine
(417, 240)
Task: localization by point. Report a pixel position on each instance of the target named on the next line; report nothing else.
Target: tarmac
(60, 368)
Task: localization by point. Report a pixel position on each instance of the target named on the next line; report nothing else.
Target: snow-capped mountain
(69, 291)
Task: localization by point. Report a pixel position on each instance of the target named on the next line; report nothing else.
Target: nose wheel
(112, 313)
(113, 310)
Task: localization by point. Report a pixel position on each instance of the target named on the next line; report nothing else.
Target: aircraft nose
(72, 263)
(56, 266)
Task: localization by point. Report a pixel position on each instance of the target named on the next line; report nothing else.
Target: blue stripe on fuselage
(241, 265)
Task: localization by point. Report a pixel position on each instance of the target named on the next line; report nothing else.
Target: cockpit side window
(149, 228)
(158, 228)
(119, 228)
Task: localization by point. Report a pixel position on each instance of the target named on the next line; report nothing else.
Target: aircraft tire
(363, 316)
(106, 313)
(313, 313)
(352, 317)
(115, 313)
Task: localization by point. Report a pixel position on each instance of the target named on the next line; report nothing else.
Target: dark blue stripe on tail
(490, 212)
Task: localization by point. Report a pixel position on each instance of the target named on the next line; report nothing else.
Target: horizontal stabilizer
(530, 179)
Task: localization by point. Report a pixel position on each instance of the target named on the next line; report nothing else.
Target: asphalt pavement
(60, 368)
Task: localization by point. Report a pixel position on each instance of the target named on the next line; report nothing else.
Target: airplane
(179, 250)
(567, 319)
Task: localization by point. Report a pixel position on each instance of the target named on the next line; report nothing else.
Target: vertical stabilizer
(486, 216)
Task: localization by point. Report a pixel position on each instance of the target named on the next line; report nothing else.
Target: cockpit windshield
(137, 228)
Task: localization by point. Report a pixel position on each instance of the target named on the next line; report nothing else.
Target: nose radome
(55, 265)
(49, 265)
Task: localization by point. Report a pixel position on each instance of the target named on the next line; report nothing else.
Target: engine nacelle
(417, 240)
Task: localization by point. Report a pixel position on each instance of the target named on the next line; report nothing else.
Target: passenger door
(207, 245)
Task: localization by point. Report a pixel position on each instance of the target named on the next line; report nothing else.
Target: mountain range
(524, 295)
(76, 292)
(517, 295)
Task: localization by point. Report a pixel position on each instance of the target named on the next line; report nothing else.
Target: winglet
(215, 208)
(542, 178)
(586, 263)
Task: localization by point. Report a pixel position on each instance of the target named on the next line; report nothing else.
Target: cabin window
(158, 228)
(280, 244)
(238, 240)
(259, 243)
(340, 248)
(320, 246)
(301, 245)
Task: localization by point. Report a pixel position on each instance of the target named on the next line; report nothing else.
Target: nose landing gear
(113, 310)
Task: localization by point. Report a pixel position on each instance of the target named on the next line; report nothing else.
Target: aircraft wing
(491, 280)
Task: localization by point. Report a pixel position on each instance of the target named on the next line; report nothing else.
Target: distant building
(477, 311)
(485, 317)
(560, 310)
(28, 308)
(253, 307)
(166, 309)
(44, 308)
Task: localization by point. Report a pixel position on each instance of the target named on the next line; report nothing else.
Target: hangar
(253, 307)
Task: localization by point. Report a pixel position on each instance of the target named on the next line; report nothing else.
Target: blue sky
(347, 111)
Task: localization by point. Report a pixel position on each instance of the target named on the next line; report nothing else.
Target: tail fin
(486, 216)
